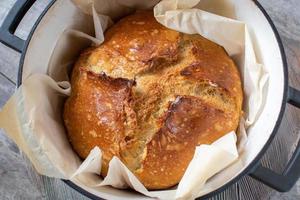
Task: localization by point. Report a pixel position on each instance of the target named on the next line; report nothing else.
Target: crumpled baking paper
(32, 117)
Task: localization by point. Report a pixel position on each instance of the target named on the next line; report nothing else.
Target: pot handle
(11, 23)
(285, 181)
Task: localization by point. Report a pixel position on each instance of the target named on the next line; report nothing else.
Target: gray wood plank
(14, 181)
(56, 189)
(5, 6)
(9, 58)
(9, 63)
(50, 188)
(286, 15)
(6, 89)
(30, 18)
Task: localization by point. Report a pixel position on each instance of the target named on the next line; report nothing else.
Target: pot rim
(253, 163)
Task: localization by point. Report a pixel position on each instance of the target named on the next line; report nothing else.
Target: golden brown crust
(189, 122)
(134, 48)
(150, 95)
(95, 114)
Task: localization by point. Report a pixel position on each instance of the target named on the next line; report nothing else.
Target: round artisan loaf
(149, 95)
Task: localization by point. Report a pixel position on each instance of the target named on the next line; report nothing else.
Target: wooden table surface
(18, 179)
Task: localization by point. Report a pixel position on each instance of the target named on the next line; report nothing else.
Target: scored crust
(149, 95)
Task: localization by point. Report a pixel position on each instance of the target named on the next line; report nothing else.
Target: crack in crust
(149, 95)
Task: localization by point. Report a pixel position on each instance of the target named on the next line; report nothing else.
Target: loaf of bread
(149, 95)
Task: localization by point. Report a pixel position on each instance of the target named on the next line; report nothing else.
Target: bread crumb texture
(149, 95)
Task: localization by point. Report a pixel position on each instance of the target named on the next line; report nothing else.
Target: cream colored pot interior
(44, 39)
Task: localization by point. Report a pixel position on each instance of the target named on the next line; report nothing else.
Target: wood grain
(19, 180)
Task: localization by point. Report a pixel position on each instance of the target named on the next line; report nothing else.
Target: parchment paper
(32, 117)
